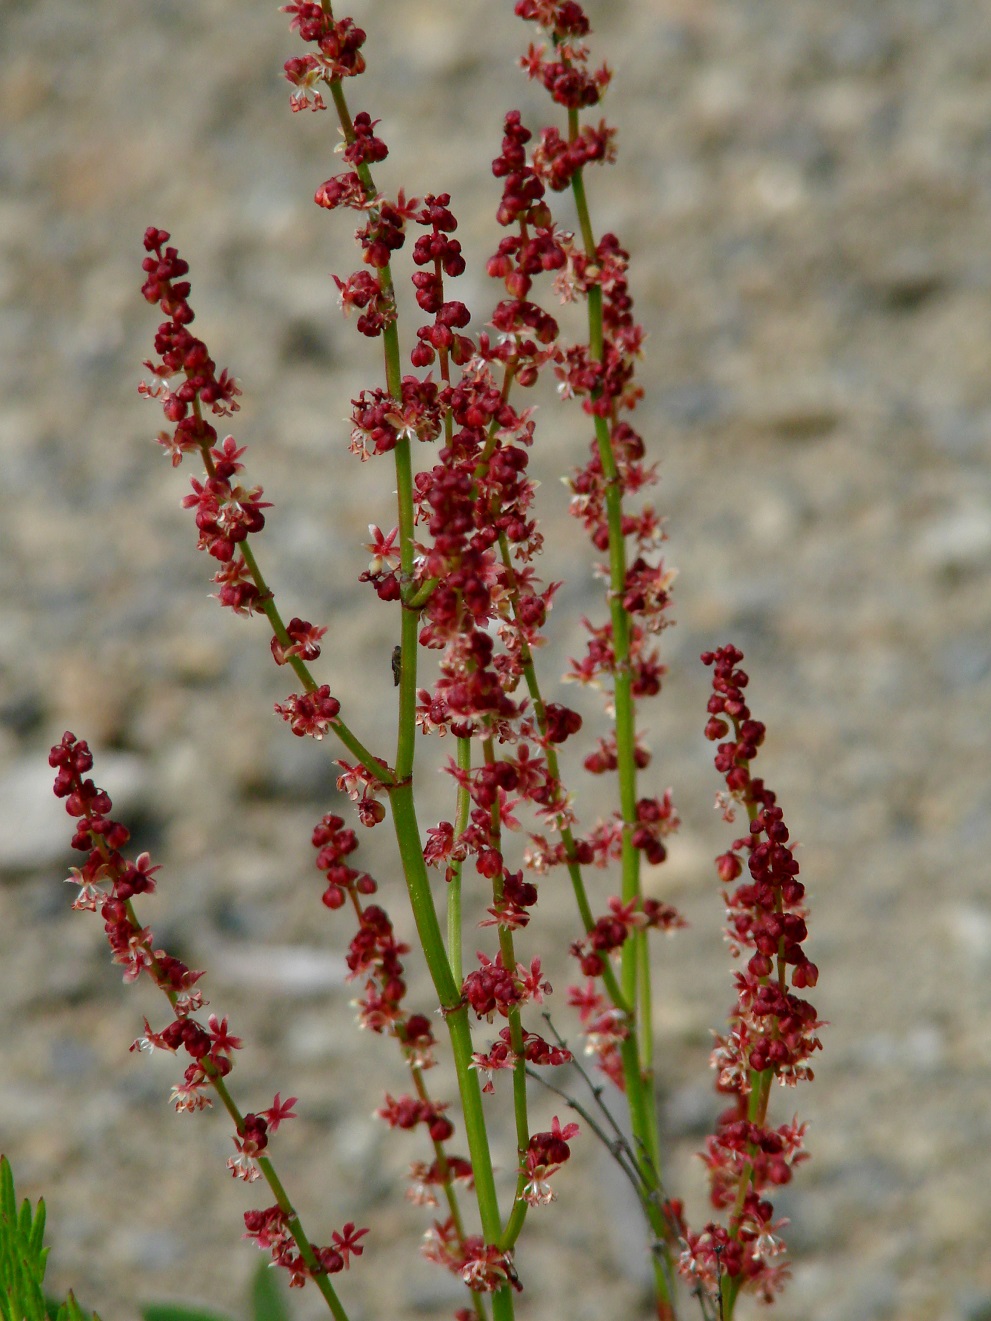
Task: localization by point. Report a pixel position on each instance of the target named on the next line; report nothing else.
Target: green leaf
(267, 1303)
(22, 1256)
(179, 1312)
(71, 1311)
(23, 1259)
(37, 1230)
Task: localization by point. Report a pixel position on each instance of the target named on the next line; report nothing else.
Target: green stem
(455, 1013)
(636, 1052)
(613, 989)
(507, 949)
(402, 800)
(350, 741)
(450, 1195)
(266, 601)
(320, 1278)
(462, 812)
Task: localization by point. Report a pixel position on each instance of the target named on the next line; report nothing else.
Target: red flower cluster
(374, 953)
(493, 989)
(363, 290)
(107, 883)
(612, 931)
(566, 78)
(483, 1267)
(407, 1112)
(443, 254)
(545, 1154)
(309, 713)
(603, 1026)
(227, 512)
(379, 420)
(425, 1179)
(537, 246)
(304, 642)
(557, 160)
(251, 1138)
(338, 52)
(773, 1031)
(384, 229)
(271, 1230)
(335, 842)
(767, 913)
(536, 1051)
(181, 352)
(656, 818)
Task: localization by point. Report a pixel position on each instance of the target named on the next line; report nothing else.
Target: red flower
(309, 713)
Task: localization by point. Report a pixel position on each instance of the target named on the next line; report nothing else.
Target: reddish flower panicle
(545, 1154)
(424, 1179)
(227, 511)
(337, 55)
(309, 713)
(271, 1230)
(557, 160)
(304, 642)
(376, 954)
(501, 1055)
(108, 882)
(181, 353)
(407, 1112)
(772, 1031)
(492, 988)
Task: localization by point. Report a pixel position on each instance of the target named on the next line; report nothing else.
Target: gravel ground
(805, 190)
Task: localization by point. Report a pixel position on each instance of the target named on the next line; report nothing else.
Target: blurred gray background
(805, 190)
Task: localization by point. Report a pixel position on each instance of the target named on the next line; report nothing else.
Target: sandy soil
(805, 190)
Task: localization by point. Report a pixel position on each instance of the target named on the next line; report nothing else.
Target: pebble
(278, 970)
(969, 929)
(959, 540)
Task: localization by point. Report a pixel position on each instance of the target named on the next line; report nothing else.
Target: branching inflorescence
(459, 567)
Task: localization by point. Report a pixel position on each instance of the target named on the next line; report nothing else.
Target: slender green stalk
(402, 799)
(269, 1174)
(636, 1053)
(462, 811)
(456, 1017)
(613, 989)
(507, 948)
(266, 602)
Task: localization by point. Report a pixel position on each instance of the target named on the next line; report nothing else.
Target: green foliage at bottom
(23, 1259)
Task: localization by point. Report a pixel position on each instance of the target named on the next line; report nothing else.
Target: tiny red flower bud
(441, 1129)
(729, 867)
